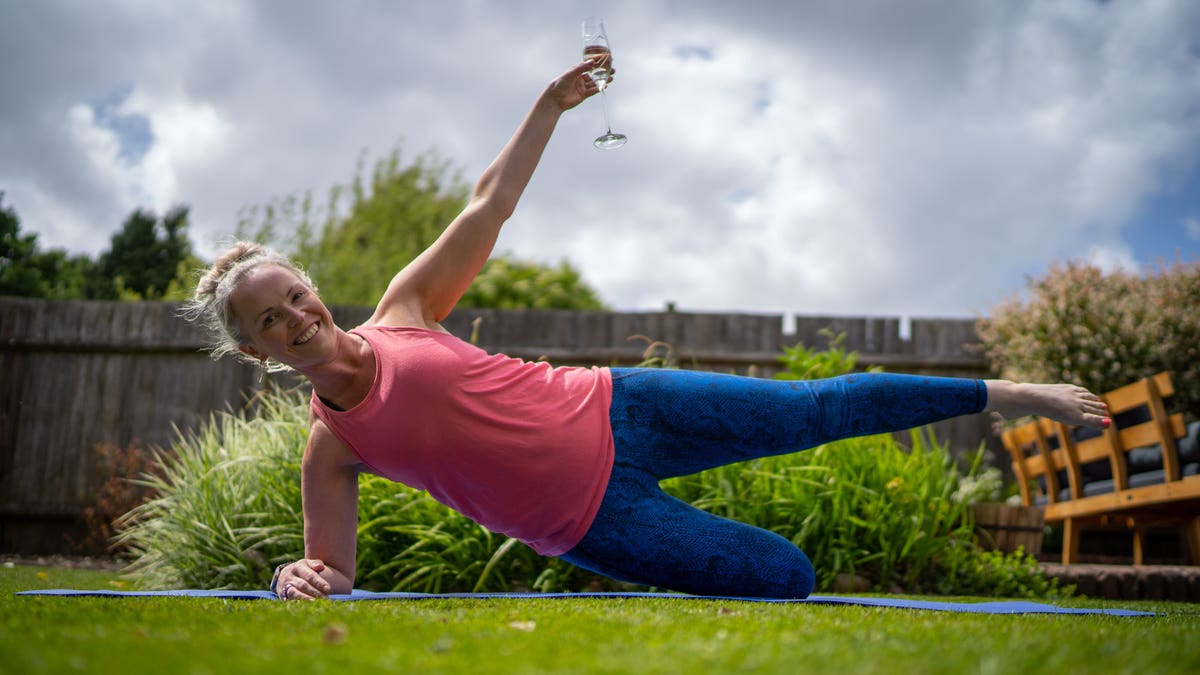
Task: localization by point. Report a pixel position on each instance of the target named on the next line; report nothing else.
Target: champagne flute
(595, 43)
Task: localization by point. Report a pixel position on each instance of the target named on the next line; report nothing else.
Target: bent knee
(795, 583)
(789, 576)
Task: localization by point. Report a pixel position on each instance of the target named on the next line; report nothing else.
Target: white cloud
(98, 143)
(189, 137)
(186, 138)
(1193, 228)
(811, 157)
(1112, 257)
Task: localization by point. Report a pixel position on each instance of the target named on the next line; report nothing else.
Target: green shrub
(1101, 331)
(226, 508)
(509, 283)
(802, 363)
(998, 574)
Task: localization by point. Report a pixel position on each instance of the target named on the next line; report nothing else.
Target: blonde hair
(210, 308)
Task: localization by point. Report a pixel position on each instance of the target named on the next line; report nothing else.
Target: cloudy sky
(911, 158)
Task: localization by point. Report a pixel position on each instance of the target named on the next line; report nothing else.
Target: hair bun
(240, 251)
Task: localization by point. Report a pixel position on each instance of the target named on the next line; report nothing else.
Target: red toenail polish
(1106, 423)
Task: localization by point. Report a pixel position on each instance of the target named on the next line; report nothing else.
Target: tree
(371, 230)
(145, 257)
(26, 271)
(508, 283)
(18, 273)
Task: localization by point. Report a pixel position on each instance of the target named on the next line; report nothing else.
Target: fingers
(302, 581)
(303, 590)
(595, 61)
(581, 67)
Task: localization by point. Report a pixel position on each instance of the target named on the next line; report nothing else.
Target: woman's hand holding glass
(596, 49)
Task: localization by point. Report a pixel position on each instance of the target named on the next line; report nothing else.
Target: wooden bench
(1143, 471)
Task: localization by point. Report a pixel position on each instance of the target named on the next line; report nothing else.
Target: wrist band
(275, 578)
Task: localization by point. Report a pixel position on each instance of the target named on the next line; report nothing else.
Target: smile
(308, 334)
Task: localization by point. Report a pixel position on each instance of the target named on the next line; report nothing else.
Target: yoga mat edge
(993, 607)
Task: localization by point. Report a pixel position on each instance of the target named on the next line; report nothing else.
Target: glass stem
(604, 104)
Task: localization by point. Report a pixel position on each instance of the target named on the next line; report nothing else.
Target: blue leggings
(669, 423)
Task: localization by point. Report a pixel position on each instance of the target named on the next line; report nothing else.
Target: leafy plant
(998, 574)
(508, 283)
(804, 363)
(1101, 330)
(116, 495)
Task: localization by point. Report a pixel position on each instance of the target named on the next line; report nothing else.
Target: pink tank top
(521, 448)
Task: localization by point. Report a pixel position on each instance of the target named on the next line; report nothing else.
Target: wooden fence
(77, 375)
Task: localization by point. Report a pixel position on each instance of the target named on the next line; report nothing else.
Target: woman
(565, 459)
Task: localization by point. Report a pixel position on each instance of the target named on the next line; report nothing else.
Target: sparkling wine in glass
(595, 43)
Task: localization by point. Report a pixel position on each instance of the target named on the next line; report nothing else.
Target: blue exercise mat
(998, 607)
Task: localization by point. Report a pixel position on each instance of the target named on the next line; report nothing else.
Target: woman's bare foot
(1065, 403)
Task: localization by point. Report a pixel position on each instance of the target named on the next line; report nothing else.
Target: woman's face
(280, 316)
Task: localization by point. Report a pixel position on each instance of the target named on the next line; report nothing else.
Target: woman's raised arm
(425, 291)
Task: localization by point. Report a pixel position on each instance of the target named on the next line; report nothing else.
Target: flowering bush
(1102, 331)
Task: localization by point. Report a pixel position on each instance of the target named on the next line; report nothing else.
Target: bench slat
(1149, 433)
(1127, 500)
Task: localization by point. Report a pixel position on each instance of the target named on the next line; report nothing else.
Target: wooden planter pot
(1003, 527)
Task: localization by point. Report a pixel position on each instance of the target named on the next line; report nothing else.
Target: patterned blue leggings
(674, 422)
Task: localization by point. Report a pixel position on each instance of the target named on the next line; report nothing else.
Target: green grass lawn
(166, 635)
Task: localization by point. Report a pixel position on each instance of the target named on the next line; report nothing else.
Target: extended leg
(675, 422)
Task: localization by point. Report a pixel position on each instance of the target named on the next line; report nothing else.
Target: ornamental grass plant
(226, 501)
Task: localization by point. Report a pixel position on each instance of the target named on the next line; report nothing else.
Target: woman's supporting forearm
(339, 582)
